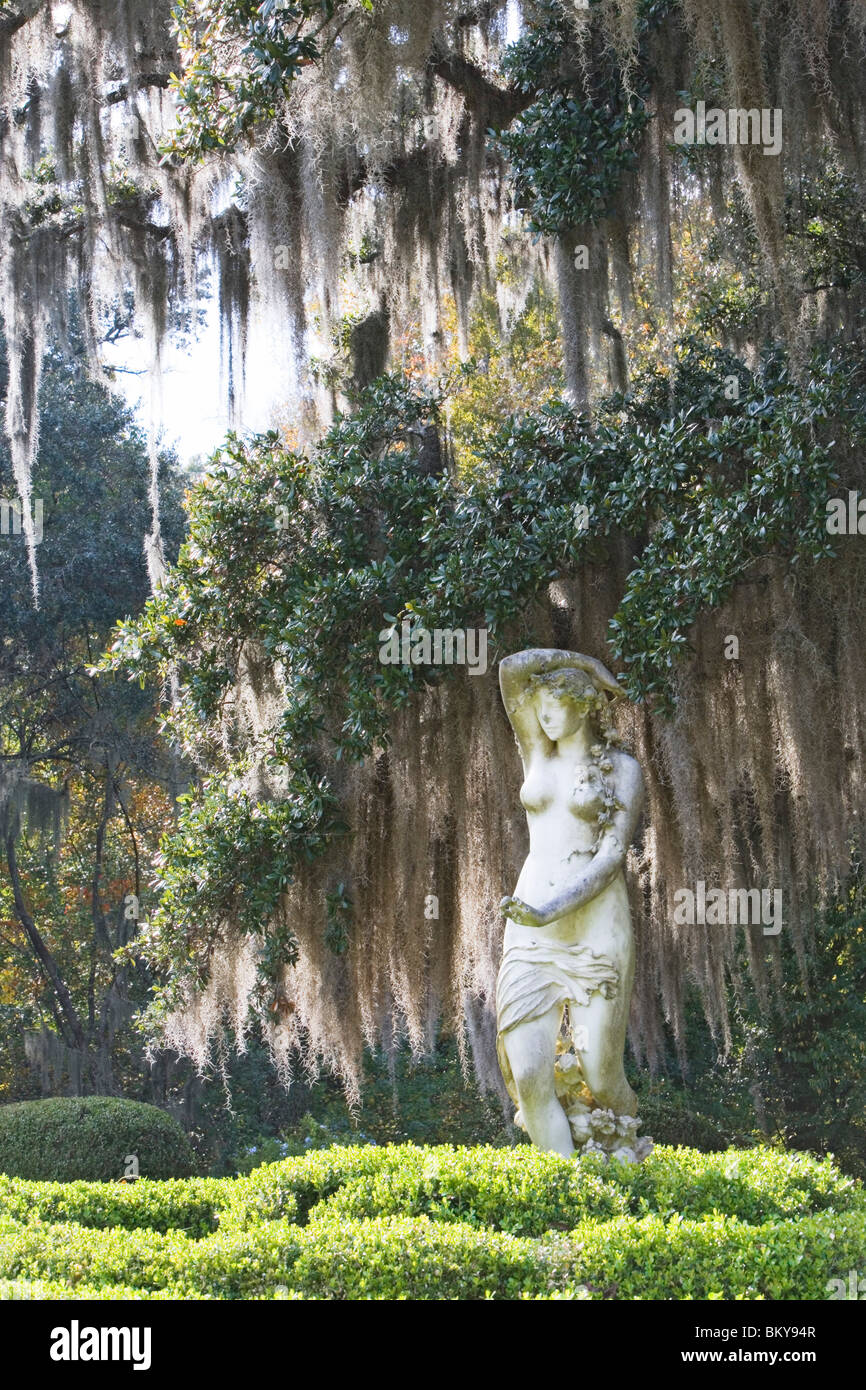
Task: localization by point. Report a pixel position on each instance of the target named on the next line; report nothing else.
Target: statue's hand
(520, 912)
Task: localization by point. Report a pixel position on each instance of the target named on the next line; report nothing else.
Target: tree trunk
(73, 1028)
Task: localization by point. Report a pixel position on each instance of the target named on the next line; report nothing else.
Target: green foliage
(673, 1118)
(444, 1223)
(805, 1049)
(715, 1258)
(88, 746)
(571, 147)
(825, 233)
(239, 851)
(239, 58)
(526, 1193)
(500, 1188)
(90, 1137)
(415, 1258)
(829, 219)
(423, 1101)
(190, 1205)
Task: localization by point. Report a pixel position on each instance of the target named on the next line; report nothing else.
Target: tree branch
(14, 19)
(498, 105)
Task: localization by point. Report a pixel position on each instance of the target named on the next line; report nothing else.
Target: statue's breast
(538, 791)
(579, 790)
(587, 794)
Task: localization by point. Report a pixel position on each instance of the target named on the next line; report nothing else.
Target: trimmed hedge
(751, 1185)
(90, 1138)
(415, 1258)
(716, 1258)
(191, 1205)
(295, 1185)
(520, 1190)
(234, 1264)
(494, 1188)
(526, 1192)
(446, 1223)
(405, 1257)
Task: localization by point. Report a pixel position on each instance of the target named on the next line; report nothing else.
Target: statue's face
(559, 714)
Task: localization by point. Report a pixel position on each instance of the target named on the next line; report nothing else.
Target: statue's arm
(606, 862)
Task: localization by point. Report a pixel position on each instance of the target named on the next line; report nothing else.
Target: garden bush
(717, 1257)
(191, 1205)
(672, 1123)
(520, 1191)
(91, 1137)
(526, 1192)
(753, 1185)
(446, 1223)
(402, 1257)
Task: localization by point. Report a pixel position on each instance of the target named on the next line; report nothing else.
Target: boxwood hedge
(446, 1223)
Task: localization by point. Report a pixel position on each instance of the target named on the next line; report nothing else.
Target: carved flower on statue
(603, 1123)
(581, 1125)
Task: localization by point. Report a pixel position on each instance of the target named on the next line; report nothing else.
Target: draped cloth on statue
(540, 976)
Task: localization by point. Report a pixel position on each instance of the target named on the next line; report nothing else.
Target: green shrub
(294, 1185)
(672, 1123)
(418, 1258)
(77, 1255)
(445, 1223)
(91, 1137)
(192, 1205)
(527, 1192)
(521, 1191)
(55, 1290)
(234, 1264)
(752, 1185)
(718, 1257)
(415, 1258)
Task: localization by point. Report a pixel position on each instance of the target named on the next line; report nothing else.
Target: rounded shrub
(91, 1137)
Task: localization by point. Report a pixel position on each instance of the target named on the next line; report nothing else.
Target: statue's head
(565, 699)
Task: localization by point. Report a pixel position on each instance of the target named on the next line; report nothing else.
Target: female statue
(568, 939)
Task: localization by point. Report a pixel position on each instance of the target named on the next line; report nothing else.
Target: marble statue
(564, 986)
